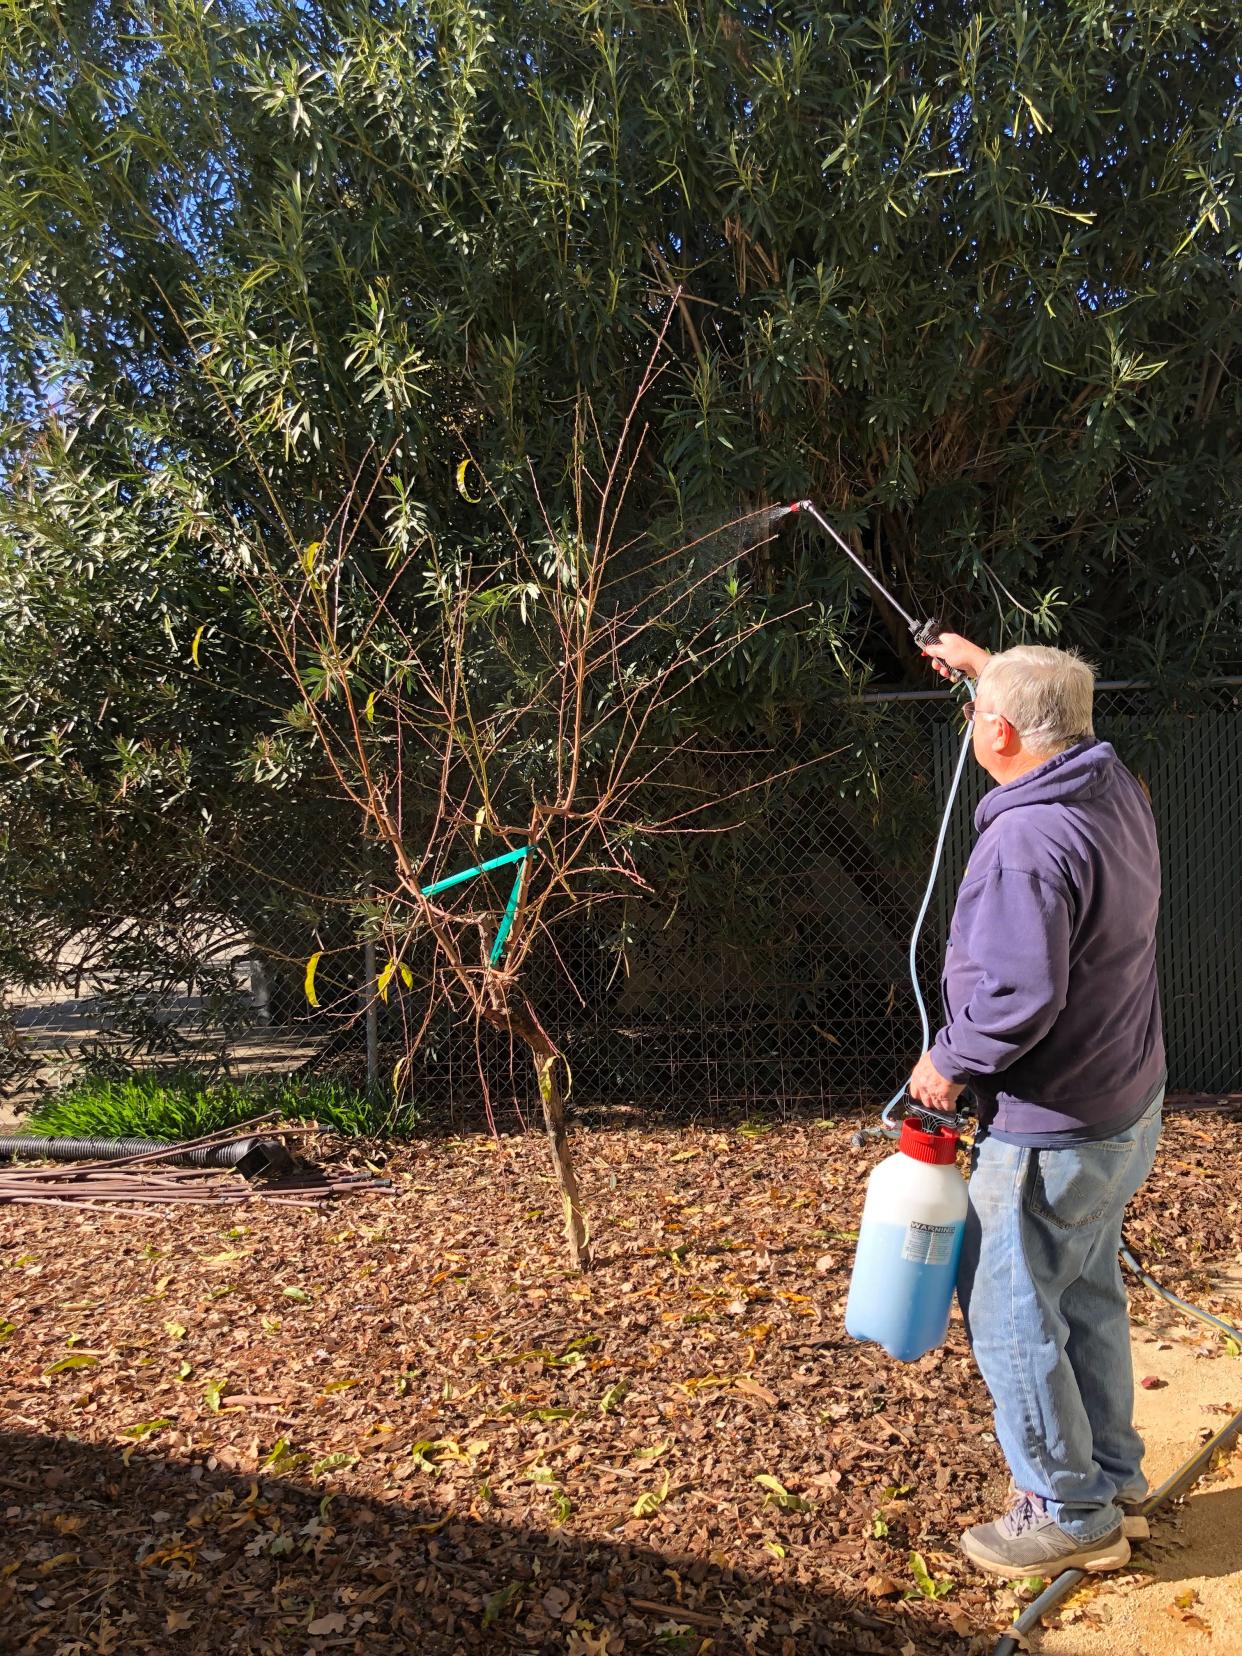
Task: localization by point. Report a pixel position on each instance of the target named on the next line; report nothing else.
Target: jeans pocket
(1077, 1186)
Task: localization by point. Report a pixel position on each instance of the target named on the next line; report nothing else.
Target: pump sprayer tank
(905, 1266)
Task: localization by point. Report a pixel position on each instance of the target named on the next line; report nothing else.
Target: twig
(675, 1612)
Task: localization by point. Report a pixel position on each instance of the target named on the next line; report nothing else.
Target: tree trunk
(553, 1101)
(520, 1020)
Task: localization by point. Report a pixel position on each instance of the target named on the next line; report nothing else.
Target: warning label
(928, 1244)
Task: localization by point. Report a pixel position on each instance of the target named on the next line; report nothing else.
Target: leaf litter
(452, 1443)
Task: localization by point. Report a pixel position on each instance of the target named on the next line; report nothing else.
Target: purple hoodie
(1051, 1005)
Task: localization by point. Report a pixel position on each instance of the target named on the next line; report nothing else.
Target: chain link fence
(769, 970)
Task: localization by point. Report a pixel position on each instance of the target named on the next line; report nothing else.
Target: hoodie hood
(1081, 773)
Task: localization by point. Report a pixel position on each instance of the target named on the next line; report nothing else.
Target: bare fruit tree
(515, 721)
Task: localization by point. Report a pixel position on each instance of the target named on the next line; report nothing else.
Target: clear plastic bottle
(909, 1243)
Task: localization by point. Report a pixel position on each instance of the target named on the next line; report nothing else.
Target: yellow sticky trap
(462, 490)
(397, 1070)
(309, 985)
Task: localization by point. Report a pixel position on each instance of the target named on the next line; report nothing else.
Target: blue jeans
(1045, 1306)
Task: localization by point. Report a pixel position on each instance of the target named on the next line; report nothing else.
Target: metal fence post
(371, 1014)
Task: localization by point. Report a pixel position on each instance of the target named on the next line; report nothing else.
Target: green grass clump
(182, 1105)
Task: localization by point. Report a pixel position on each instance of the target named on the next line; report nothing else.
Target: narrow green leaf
(79, 1360)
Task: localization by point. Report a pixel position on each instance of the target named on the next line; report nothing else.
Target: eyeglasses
(969, 709)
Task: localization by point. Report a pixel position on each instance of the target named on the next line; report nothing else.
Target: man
(1052, 1018)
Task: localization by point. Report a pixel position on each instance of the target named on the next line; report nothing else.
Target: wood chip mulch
(406, 1426)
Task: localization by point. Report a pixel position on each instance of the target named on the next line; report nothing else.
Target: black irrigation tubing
(1203, 1104)
(112, 1200)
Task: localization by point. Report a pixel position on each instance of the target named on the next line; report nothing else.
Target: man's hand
(952, 650)
(927, 1086)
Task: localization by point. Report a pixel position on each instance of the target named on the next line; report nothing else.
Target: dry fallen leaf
(882, 1586)
(1180, 1611)
(331, 1623)
(555, 1602)
(752, 1388)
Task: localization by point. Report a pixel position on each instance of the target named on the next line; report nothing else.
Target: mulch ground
(404, 1425)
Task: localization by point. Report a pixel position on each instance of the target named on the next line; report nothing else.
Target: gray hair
(1044, 693)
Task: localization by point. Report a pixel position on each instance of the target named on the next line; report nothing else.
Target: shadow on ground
(121, 1552)
(1209, 1512)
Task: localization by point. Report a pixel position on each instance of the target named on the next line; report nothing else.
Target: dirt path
(1184, 1591)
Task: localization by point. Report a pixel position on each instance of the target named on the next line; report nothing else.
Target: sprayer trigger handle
(929, 633)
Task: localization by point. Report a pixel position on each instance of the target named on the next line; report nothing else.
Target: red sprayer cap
(923, 1144)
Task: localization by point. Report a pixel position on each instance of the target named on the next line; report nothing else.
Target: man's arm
(927, 1084)
(1019, 938)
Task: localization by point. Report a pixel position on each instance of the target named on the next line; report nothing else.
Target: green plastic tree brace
(507, 918)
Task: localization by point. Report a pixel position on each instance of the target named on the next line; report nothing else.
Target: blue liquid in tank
(901, 1304)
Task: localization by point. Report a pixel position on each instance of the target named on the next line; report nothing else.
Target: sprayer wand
(924, 632)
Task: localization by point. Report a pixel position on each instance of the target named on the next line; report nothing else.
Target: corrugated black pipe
(29, 1147)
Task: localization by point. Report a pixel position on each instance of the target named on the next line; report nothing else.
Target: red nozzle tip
(795, 506)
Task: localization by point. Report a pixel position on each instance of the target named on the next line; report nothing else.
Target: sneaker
(1028, 1541)
(1133, 1518)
